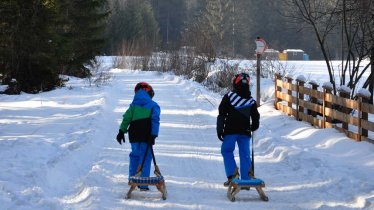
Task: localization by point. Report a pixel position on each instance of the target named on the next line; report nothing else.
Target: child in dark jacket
(238, 117)
(142, 121)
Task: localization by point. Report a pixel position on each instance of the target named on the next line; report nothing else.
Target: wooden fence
(323, 109)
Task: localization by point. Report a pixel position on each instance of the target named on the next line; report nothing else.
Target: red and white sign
(261, 46)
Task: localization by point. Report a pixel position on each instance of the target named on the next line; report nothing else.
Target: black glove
(152, 139)
(249, 131)
(121, 137)
(220, 136)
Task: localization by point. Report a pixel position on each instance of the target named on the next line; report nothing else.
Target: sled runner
(137, 180)
(237, 184)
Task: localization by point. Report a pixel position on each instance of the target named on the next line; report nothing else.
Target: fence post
(326, 90)
(362, 115)
(300, 97)
(277, 88)
(313, 99)
(344, 94)
(289, 92)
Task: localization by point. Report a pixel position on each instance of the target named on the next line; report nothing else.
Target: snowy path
(187, 151)
(58, 152)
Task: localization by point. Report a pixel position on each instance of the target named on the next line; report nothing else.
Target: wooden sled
(236, 185)
(157, 181)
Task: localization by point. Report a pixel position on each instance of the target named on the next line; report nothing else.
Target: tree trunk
(371, 85)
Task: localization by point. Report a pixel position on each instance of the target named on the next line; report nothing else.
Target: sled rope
(157, 171)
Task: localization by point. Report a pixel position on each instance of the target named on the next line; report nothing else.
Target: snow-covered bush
(122, 62)
(221, 75)
(271, 66)
(99, 75)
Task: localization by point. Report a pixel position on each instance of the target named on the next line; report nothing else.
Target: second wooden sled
(158, 180)
(236, 185)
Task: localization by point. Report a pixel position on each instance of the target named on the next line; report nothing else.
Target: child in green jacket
(142, 122)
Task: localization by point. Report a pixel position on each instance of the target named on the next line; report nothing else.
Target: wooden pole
(300, 97)
(289, 92)
(258, 72)
(362, 115)
(345, 110)
(326, 90)
(278, 89)
(313, 99)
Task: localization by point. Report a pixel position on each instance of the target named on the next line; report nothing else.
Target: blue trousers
(136, 157)
(227, 151)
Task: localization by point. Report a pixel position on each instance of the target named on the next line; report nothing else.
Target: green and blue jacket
(142, 119)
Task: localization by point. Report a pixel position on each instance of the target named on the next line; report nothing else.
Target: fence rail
(324, 109)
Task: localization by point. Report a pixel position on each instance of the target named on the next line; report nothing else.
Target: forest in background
(231, 26)
(42, 39)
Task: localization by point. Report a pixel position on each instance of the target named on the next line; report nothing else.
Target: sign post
(261, 46)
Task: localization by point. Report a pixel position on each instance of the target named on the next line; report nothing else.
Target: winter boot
(229, 178)
(227, 183)
(251, 174)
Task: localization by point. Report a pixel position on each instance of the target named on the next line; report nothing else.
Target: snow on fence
(323, 109)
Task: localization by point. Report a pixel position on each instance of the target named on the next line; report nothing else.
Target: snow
(293, 50)
(58, 151)
(364, 92)
(313, 82)
(301, 78)
(344, 89)
(290, 76)
(3, 87)
(271, 51)
(327, 85)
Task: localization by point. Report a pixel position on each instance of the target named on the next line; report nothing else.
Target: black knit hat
(241, 79)
(241, 84)
(144, 86)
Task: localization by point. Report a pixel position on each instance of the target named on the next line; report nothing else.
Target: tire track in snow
(195, 158)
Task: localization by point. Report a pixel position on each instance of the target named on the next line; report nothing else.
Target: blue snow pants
(227, 151)
(136, 157)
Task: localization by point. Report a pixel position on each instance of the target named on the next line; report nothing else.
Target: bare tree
(201, 42)
(352, 21)
(320, 16)
(357, 40)
(366, 19)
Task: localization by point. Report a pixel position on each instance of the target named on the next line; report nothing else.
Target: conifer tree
(81, 34)
(132, 29)
(171, 17)
(26, 50)
(42, 38)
